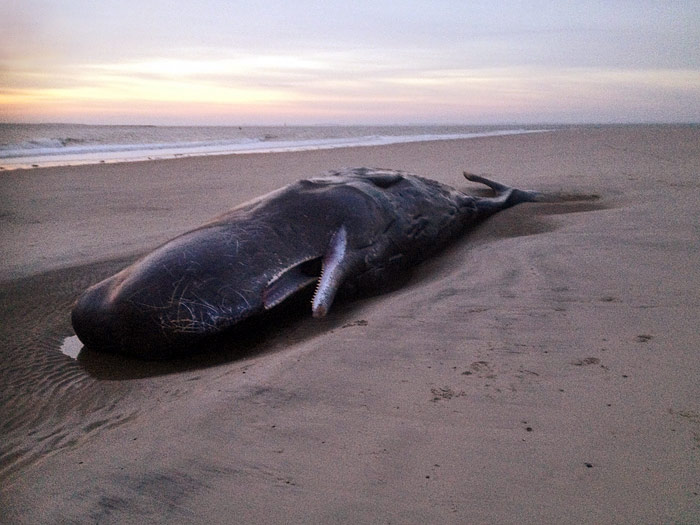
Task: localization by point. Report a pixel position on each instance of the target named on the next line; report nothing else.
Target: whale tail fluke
(505, 195)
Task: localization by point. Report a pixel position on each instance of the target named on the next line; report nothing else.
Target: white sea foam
(95, 144)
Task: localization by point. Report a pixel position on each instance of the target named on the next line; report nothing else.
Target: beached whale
(355, 227)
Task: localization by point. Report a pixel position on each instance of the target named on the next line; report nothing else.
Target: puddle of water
(71, 346)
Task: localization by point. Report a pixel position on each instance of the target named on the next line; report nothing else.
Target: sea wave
(41, 144)
(51, 147)
(71, 151)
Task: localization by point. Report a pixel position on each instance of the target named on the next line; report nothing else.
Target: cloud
(341, 60)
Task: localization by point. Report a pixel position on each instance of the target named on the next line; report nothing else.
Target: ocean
(43, 145)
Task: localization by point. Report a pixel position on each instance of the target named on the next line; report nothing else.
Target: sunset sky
(349, 62)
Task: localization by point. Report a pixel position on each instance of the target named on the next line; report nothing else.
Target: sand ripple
(48, 400)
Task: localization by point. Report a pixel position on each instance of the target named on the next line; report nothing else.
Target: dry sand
(543, 369)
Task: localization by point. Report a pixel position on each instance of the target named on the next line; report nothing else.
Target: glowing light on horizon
(330, 87)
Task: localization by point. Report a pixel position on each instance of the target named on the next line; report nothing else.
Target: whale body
(356, 228)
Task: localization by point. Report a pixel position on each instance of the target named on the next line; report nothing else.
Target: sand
(543, 369)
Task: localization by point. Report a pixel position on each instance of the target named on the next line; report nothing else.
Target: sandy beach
(542, 369)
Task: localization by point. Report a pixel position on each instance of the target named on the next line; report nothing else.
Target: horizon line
(334, 124)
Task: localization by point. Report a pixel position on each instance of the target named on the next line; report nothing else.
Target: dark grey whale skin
(355, 227)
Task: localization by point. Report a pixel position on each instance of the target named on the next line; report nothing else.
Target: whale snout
(105, 320)
(124, 315)
(91, 321)
(94, 320)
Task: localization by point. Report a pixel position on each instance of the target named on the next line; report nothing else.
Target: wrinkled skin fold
(355, 227)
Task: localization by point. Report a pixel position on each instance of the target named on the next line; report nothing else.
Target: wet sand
(543, 369)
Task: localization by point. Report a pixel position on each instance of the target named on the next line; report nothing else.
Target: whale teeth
(332, 270)
(316, 289)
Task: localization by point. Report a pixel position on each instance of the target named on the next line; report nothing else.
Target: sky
(233, 62)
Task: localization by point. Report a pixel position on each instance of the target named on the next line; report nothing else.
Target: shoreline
(11, 160)
(156, 152)
(550, 355)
